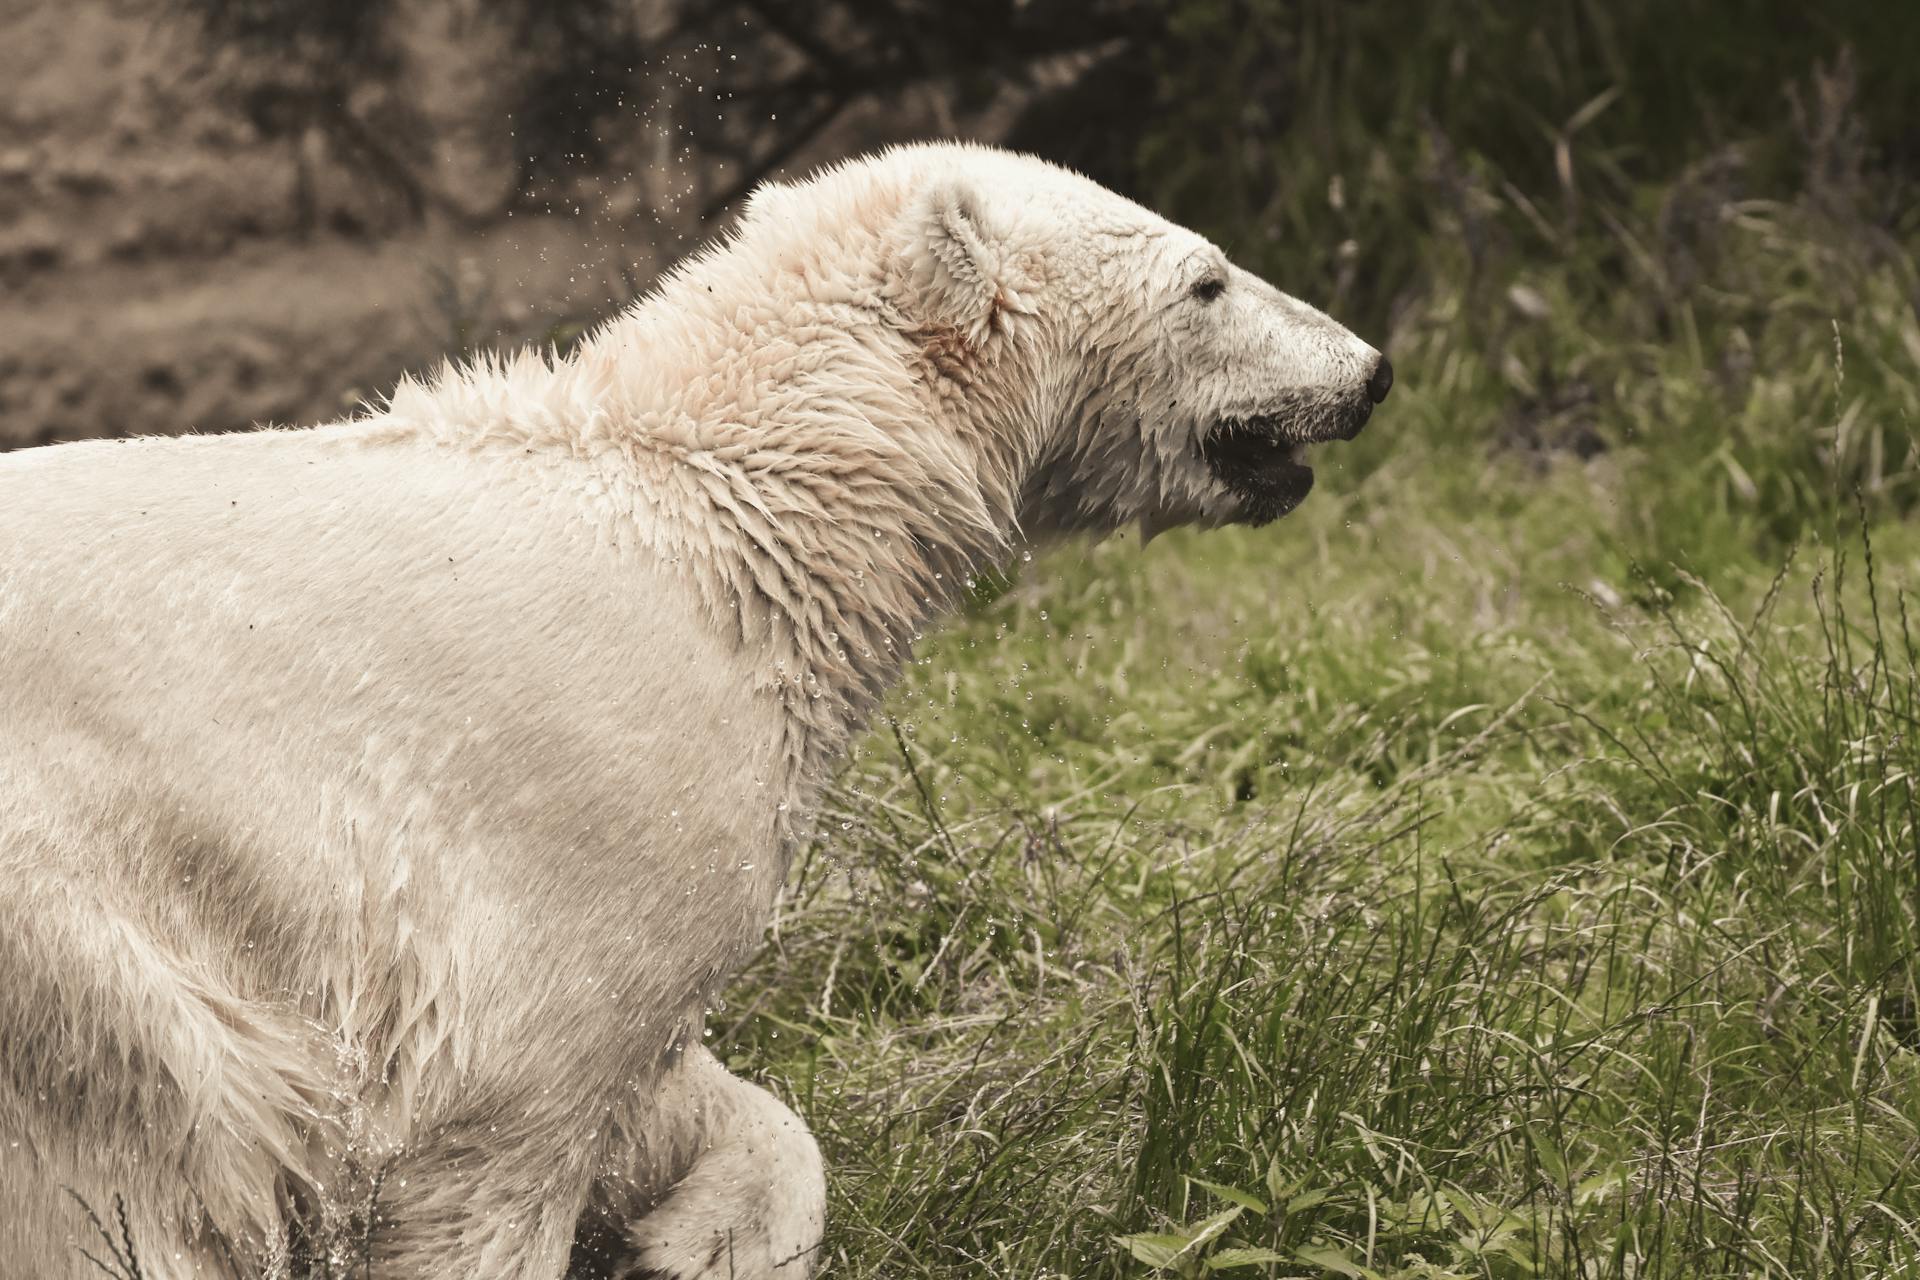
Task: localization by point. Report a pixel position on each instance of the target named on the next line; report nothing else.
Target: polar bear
(382, 802)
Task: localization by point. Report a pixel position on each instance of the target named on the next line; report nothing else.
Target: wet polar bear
(381, 802)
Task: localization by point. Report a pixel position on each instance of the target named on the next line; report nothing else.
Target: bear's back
(355, 660)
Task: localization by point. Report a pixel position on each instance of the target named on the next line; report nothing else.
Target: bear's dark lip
(1258, 464)
(1259, 457)
(1243, 445)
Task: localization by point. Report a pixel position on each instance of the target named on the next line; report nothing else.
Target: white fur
(385, 799)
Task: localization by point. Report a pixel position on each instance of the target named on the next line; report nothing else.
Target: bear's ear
(959, 260)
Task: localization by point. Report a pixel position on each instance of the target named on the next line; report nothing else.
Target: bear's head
(1157, 383)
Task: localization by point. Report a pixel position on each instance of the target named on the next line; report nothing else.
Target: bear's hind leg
(144, 1081)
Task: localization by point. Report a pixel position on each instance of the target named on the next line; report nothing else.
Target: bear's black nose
(1381, 382)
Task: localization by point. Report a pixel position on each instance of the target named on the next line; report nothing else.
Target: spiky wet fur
(380, 802)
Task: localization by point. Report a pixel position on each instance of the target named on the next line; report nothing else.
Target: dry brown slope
(154, 274)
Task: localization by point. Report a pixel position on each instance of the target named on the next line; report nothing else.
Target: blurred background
(217, 212)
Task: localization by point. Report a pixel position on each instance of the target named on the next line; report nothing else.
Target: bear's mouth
(1259, 465)
(1261, 458)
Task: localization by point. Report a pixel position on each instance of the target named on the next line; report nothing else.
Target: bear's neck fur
(828, 473)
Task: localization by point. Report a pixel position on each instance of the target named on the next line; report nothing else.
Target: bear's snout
(1381, 382)
(1359, 411)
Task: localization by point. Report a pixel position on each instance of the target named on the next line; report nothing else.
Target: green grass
(1505, 867)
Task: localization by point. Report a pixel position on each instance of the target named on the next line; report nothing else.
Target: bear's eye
(1210, 288)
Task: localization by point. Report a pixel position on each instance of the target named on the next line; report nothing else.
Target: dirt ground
(155, 275)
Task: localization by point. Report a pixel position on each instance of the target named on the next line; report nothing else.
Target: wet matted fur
(381, 802)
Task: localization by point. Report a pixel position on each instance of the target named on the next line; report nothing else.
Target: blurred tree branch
(858, 49)
(577, 75)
